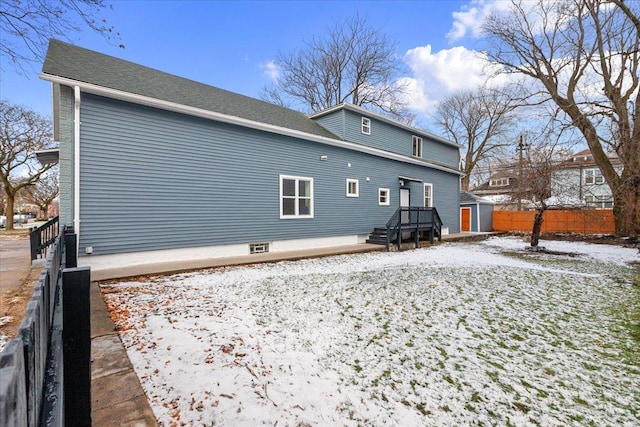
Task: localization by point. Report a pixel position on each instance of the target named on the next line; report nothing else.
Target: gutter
(211, 115)
(76, 163)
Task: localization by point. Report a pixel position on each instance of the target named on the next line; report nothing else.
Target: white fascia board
(212, 115)
(378, 116)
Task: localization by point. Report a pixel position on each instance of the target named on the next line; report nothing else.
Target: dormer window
(499, 182)
(417, 146)
(366, 126)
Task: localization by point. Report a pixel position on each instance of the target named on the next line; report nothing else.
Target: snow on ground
(456, 334)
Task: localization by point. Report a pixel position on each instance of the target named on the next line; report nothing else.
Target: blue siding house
(152, 161)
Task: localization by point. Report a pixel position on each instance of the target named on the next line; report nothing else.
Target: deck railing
(413, 219)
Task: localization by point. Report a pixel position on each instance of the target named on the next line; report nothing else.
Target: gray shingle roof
(87, 66)
(466, 197)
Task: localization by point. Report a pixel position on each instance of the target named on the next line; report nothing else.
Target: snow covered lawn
(455, 334)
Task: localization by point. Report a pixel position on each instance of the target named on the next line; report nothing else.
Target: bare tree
(352, 63)
(480, 120)
(22, 133)
(43, 192)
(585, 57)
(27, 26)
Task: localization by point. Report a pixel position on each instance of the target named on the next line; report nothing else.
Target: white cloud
(469, 20)
(271, 70)
(437, 75)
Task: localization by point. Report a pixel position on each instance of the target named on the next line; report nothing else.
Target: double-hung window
(417, 146)
(593, 176)
(366, 126)
(352, 188)
(383, 196)
(428, 195)
(296, 197)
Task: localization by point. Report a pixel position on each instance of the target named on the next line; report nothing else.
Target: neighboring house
(501, 188)
(152, 161)
(476, 213)
(578, 181)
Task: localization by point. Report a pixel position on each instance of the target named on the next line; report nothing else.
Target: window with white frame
(428, 195)
(593, 176)
(352, 188)
(296, 197)
(366, 126)
(417, 146)
(383, 196)
(499, 182)
(599, 202)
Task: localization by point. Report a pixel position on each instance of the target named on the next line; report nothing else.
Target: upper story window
(352, 188)
(593, 176)
(296, 197)
(499, 182)
(417, 146)
(383, 196)
(366, 126)
(583, 159)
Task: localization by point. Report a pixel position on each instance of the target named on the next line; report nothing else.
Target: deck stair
(408, 221)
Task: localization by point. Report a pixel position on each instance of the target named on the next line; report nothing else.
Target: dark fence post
(34, 235)
(70, 248)
(76, 337)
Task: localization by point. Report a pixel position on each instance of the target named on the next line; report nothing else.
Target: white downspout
(478, 216)
(76, 162)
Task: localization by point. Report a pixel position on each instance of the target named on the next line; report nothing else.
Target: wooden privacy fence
(45, 372)
(557, 221)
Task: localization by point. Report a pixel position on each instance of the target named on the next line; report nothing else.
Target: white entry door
(405, 199)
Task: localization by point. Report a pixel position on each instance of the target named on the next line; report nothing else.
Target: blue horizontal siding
(152, 179)
(348, 125)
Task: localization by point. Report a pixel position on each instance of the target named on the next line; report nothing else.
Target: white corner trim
(212, 115)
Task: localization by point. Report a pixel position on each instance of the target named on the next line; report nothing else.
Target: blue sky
(229, 44)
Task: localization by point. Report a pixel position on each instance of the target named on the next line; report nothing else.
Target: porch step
(378, 236)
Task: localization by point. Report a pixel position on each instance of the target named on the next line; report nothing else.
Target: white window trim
(297, 215)
(593, 176)
(366, 123)
(499, 182)
(388, 202)
(424, 195)
(416, 153)
(357, 183)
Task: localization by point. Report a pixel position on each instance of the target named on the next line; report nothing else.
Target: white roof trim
(212, 115)
(378, 116)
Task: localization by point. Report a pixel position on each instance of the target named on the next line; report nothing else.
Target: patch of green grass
(580, 401)
(422, 409)
(521, 407)
(496, 365)
(476, 398)
(494, 375)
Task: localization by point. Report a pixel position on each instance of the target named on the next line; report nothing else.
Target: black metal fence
(45, 370)
(43, 237)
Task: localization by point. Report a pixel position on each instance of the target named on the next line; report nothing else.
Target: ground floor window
(428, 195)
(383, 196)
(599, 202)
(296, 197)
(352, 188)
